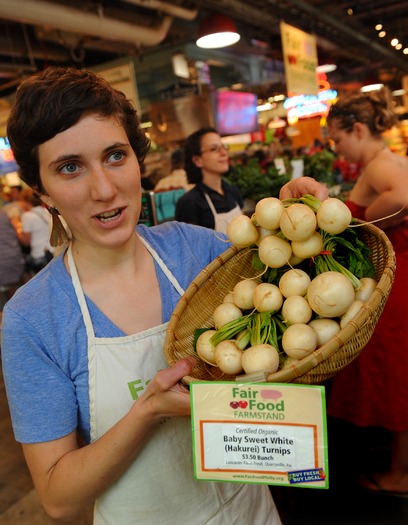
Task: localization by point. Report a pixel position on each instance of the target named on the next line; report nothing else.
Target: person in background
(212, 202)
(178, 178)
(373, 390)
(11, 259)
(17, 204)
(99, 413)
(35, 234)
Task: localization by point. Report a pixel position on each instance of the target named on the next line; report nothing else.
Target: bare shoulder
(388, 172)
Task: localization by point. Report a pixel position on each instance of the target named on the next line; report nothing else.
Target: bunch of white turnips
(308, 312)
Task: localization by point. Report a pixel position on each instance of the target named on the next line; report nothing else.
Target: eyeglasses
(215, 148)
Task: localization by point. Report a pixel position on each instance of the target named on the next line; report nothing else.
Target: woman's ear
(47, 201)
(360, 129)
(198, 161)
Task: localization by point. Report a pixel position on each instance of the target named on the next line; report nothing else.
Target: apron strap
(80, 295)
(163, 266)
(211, 205)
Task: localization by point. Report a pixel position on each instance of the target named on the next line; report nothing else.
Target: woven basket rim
(305, 365)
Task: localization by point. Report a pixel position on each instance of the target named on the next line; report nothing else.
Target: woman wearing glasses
(213, 202)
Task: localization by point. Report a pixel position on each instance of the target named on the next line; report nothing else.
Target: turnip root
(330, 294)
(299, 340)
(294, 282)
(228, 298)
(224, 313)
(366, 288)
(243, 294)
(333, 216)
(260, 358)
(242, 232)
(325, 329)
(263, 232)
(274, 251)
(268, 212)
(204, 348)
(228, 357)
(351, 312)
(298, 222)
(267, 298)
(296, 309)
(308, 248)
(289, 361)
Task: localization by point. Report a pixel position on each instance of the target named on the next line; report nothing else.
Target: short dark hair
(52, 101)
(192, 148)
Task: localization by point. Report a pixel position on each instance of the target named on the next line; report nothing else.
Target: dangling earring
(58, 235)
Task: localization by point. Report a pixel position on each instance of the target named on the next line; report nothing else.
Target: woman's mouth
(109, 215)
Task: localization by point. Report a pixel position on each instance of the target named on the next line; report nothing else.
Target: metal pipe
(77, 21)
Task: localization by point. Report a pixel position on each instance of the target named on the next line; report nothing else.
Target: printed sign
(267, 433)
(300, 59)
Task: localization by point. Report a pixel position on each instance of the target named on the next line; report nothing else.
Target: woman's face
(214, 156)
(346, 142)
(91, 175)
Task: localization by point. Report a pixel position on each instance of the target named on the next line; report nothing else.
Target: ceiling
(86, 33)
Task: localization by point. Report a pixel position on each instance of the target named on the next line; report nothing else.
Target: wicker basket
(207, 290)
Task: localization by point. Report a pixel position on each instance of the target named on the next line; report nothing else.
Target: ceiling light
(398, 93)
(382, 34)
(371, 87)
(217, 31)
(394, 42)
(378, 27)
(398, 46)
(326, 68)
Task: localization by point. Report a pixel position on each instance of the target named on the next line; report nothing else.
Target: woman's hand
(69, 478)
(165, 396)
(298, 187)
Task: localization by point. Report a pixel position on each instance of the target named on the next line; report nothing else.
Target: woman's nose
(102, 186)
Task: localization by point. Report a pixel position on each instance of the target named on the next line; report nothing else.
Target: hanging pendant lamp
(217, 31)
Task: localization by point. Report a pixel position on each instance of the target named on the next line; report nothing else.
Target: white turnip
(299, 340)
(351, 312)
(228, 357)
(296, 309)
(309, 247)
(243, 294)
(298, 222)
(294, 282)
(366, 288)
(204, 348)
(274, 251)
(268, 212)
(260, 358)
(325, 329)
(267, 298)
(330, 294)
(242, 232)
(224, 313)
(333, 216)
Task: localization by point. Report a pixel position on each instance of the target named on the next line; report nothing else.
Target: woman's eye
(117, 156)
(69, 168)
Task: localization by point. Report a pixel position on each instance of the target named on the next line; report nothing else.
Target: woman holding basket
(99, 414)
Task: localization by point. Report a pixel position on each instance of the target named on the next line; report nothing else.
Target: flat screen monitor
(236, 112)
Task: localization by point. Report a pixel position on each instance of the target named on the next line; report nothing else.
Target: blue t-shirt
(44, 344)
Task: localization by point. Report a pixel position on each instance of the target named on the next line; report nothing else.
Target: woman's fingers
(298, 187)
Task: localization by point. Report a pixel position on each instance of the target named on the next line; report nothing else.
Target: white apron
(222, 220)
(159, 487)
